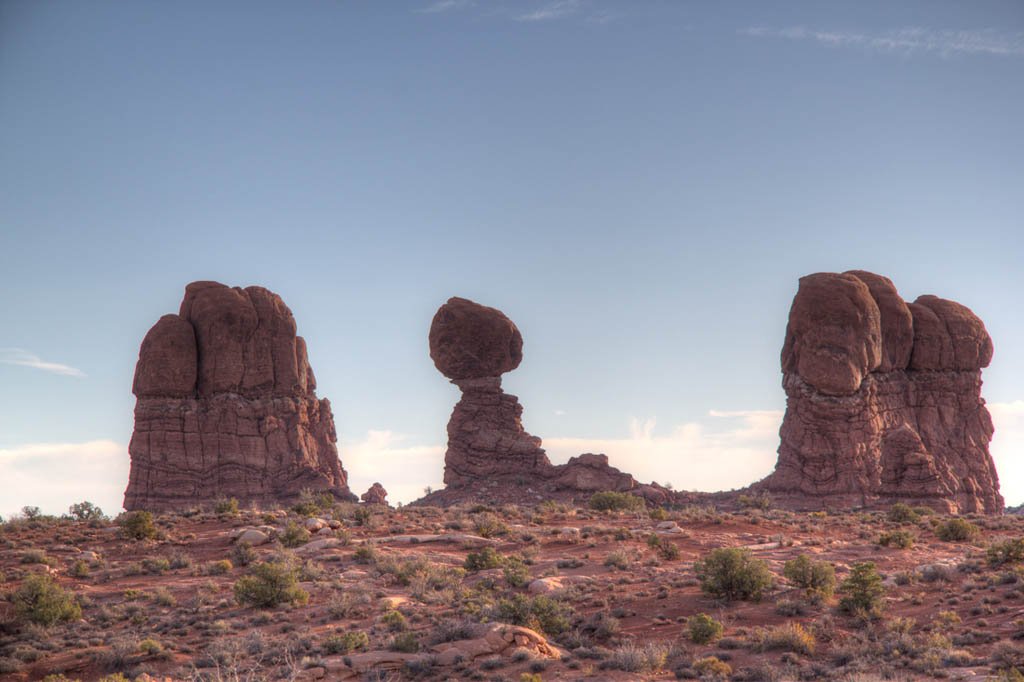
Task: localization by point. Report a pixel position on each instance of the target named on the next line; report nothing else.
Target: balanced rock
(227, 406)
(883, 400)
(375, 495)
(473, 345)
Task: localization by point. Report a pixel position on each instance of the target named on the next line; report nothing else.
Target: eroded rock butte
(883, 400)
(227, 406)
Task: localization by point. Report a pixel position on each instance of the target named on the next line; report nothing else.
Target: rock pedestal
(883, 401)
(227, 407)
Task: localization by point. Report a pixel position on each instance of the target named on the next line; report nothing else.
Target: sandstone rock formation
(473, 345)
(883, 400)
(375, 495)
(227, 406)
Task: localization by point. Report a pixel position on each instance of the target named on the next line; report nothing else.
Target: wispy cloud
(551, 11)
(908, 40)
(446, 6)
(53, 476)
(24, 358)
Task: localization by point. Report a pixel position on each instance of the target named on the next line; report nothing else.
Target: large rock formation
(883, 400)
(227, 406)
(473, 345)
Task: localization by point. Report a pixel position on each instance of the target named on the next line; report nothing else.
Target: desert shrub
(268, 585)
(539, 613)
(666, 549)
(484, 559)
(346, 643)
(366, 553)
(394, 621)
(30, 512)
(956, 530)
(489, 526)
(294, 535)
(226, 507)
(703, 629)
(242, 554)
(163, 597)
(786, 637)
(901, 539)
(405, 642)
(817, 577)
(863, 590)
(35, 556)
(1006, 552)
(710, 666)
(306, 505)
(762, 502)
(733, 573)
(180, 560)
(633, 658)
(902, 513)
(516, 572)
(80, 569)
(156, 565)
(609, 500)
(658, 514)
(137, 525)
(85, 511)
(219, 567)
(42, 602)
(151, 647)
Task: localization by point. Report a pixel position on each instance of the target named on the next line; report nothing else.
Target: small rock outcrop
(227, 406)
(883, 400)
(375, 495)
(473, 345)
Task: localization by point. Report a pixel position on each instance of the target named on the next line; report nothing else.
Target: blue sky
(638, 185)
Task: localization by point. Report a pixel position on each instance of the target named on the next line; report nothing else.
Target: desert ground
(610, 590)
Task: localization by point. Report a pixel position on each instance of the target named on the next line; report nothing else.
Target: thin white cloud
(1007, 444)
(53, 476)
(908, 40)
(551, 11)
(446, 6)
(385, 457)
(24, 358)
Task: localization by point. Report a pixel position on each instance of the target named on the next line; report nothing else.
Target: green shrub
(618, 559)
(226, 507)
(151, 647)
(218, 567)
(394, 621)
(863, 590)
(268, 585)
(516, 572)
(346, 643)
(40, 601)
(786, 637)
(35, 556)
(366, 553)
(294, 535)
(710, 666)
(956, 530)
(137, 525)
(156, 565)
(733, 573)
(703, 629)
(484, 559)
(307, 504)
(85, 511)
(901, 513)
(539, 613)
(609, 500)
(242, 554)
(1006, 552)
(901, 539)
(405, 642)
(489, 526)
(80, 569)
(666, 549)
(817, 577)
(658, 514)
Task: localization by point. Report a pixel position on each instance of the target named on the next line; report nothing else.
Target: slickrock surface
(883, 400)
(227, 406)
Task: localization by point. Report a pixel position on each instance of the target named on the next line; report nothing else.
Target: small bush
(900, 539)
(346, 643)
(484, 559)
(712, 667)
(658, 514)
(956, 530)
(394, 621)
(902, 513)
(226, 507)
(863, 590)
(610, 500)
(787, 637)
(540, 613)
(634, 658)
(516, 572)
(40, 601)
(242, 554)
(268, 585)
(294, 535)
(817, 577)
(156, 565)
(218, 567)
(703, 629)
(618, 559)
(1006, 552)
(733, 573)
(405, 642)
(489, 526)
(366, 553)
(666, 549)
(85, 511)
(80, 569)
(137, 525)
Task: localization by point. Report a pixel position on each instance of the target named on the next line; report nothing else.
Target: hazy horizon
(638, 186)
